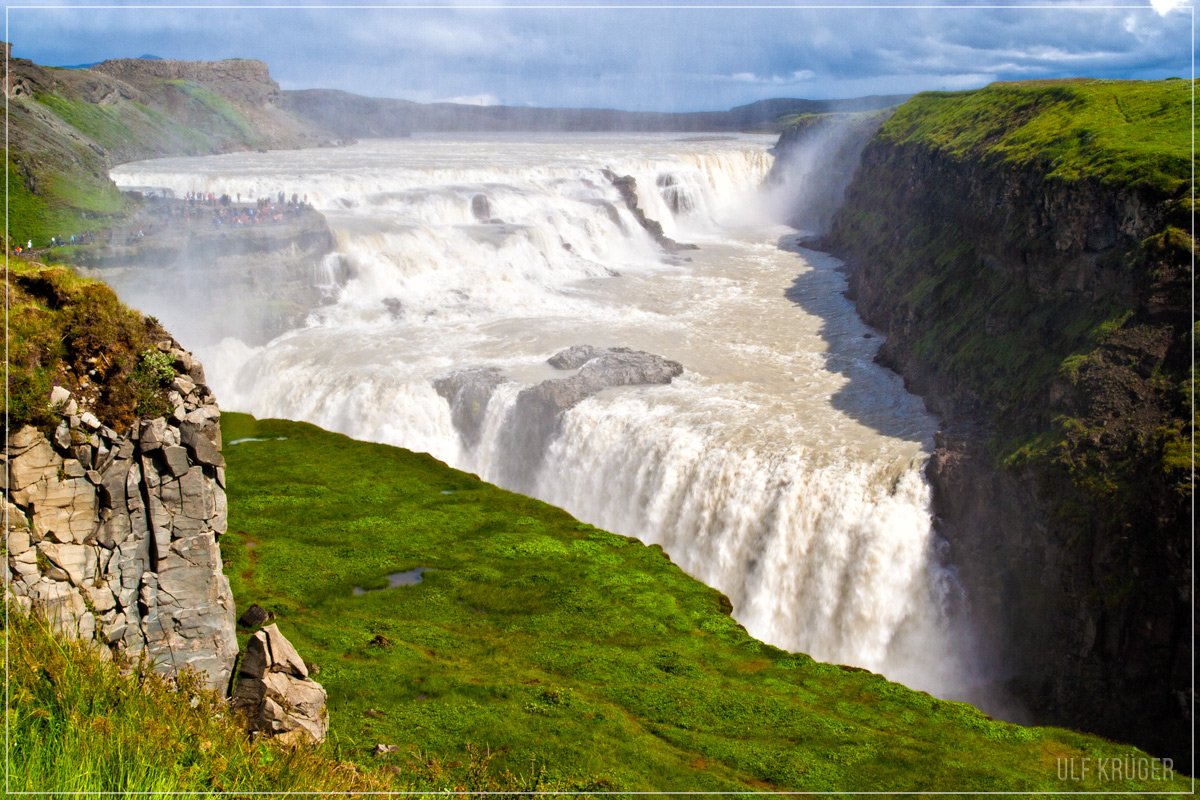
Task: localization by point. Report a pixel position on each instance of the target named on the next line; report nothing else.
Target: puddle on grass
(253, 439)
(410, 578)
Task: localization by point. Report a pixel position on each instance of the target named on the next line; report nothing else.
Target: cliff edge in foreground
(113, 478)
(1026, 248)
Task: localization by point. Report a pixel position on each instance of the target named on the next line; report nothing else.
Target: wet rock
(575, 356)
(536, 418)
(627, 186)
(481, 208)
(469, 391)
(394, 307)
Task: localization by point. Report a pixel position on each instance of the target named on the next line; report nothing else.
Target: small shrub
(150, 379)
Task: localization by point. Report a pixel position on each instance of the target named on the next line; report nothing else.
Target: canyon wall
(1024, 249)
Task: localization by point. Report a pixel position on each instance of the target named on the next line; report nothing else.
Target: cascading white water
(783, 467)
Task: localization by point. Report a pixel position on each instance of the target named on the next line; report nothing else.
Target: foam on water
(784, 467)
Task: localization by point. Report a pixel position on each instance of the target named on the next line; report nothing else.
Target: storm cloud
(636, 58)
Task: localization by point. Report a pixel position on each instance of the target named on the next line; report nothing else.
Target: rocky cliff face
(241, 79)
(113, 537)
(1046, 319)
(266, 279)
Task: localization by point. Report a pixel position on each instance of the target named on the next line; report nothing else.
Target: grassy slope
(76, 724)
(62, 145)
(1124, 133)
(79, 723)
(566, 648)
(74, 332)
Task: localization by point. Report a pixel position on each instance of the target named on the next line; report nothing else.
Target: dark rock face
(468, 392)
(1083, 582)
(627, 186)
(536, 418)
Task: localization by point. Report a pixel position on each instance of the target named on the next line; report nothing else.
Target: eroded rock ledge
(536, 416)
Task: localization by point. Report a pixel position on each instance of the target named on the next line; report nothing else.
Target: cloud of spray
(814, 163)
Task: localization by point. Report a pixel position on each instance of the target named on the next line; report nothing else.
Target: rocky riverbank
(261, 275)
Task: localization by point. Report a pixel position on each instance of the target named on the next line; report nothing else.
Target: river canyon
(775, 460)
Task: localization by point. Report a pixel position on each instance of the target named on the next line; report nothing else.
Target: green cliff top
(1126, 132)
(69, 331)
(585, 657)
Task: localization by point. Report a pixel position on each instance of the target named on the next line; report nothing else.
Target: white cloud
(799, 76)
(473, 100)
(1165, 7)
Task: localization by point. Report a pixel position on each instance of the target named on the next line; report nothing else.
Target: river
(783, 466)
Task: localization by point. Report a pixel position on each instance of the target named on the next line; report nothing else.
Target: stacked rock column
(114, 537)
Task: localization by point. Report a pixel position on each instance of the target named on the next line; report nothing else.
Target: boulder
(275, 692)
(254, 616)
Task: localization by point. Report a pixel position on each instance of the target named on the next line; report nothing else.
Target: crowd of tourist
(207, 208)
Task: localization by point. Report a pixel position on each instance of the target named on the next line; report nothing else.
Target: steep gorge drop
(780, 464)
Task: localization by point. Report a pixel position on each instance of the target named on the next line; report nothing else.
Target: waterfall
(782, 466)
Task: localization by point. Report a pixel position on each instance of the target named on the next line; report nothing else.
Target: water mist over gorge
(780, 465)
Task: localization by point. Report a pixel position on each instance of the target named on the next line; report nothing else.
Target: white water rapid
(783, 466)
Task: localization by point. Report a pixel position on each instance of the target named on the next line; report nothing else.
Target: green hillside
(583, 656)
(1125, 133)
(67, 128)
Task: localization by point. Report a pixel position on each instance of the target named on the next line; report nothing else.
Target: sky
(630, 56)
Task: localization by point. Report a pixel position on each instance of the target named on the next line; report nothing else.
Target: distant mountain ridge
(348, 115)
(143, 57)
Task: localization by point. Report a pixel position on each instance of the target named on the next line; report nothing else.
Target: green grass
(74, 332)
(68, 201)
(1128, 133)
(78, 723)
(573, 653)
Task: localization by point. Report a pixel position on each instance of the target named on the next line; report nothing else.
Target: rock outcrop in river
(536, 417)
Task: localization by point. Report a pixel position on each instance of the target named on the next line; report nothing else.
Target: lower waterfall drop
(781, 465)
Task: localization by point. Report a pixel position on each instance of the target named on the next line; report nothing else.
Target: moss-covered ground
(1123, 133)
(72, 332)
(572, 654)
